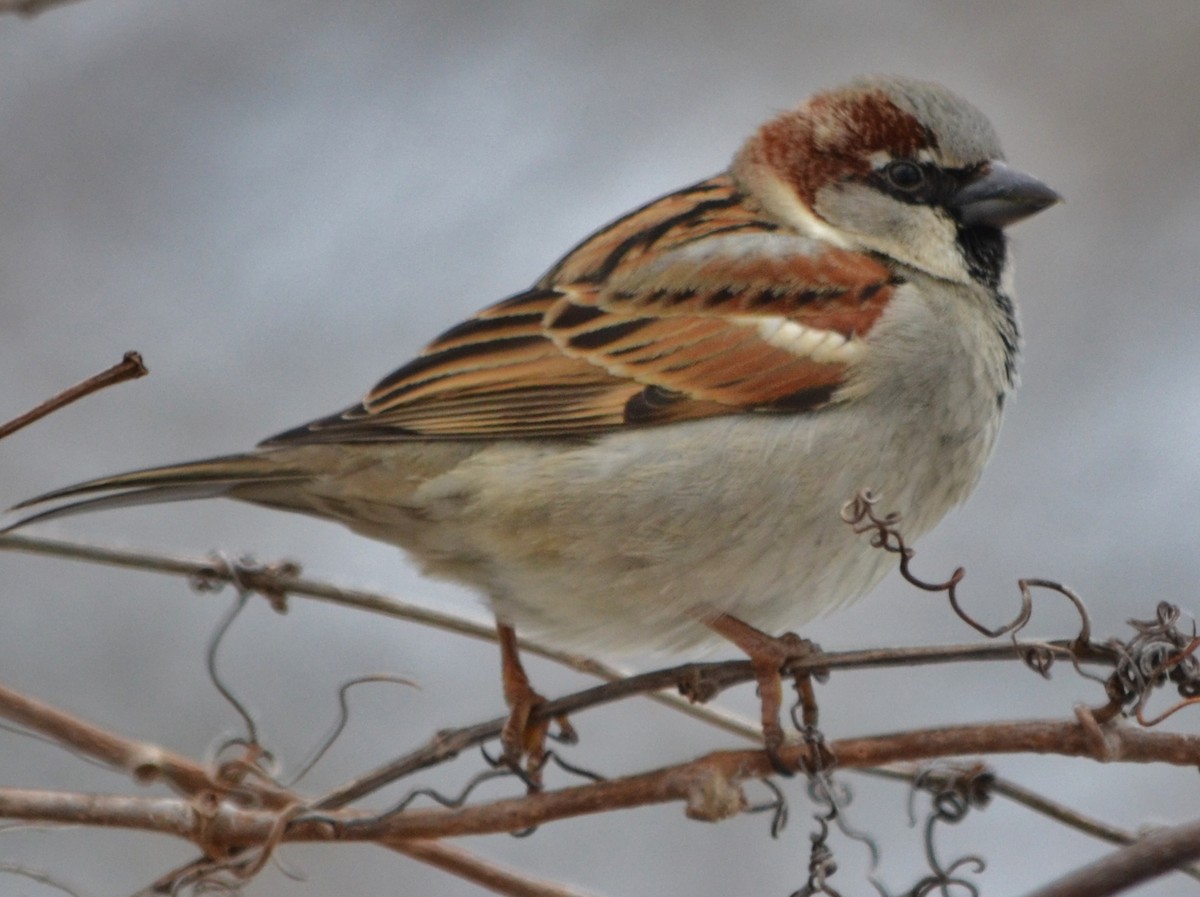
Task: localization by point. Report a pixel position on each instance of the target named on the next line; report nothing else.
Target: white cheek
(915, 235)
(783, 202)
(930, 241)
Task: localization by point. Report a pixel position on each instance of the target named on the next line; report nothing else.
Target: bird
(650, 448)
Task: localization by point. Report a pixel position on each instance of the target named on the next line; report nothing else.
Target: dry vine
(239, 809)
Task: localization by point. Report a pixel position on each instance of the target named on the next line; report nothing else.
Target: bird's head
(894, 166)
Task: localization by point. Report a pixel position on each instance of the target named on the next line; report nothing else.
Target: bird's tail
(209, 478)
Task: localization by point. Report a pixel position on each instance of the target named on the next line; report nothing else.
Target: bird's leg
(768, 655)
(518, 738)
(521, 738)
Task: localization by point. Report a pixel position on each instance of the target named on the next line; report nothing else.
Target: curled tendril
(208, 886)
(944, 883)
(498, 768)
(250, 762)
(1159, 653)
(821, 864)
(833, 796)
(248, 578)
(210, 662)
(448, 801)
(954, 792)
(777, 807)
(344, 718)
(532, 776)
(862, 517)
(229, 875)
(286, 870)
(818, 760)
(570, 768)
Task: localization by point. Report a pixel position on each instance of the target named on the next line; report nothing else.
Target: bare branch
(142, 761)
(1152, 855)
(283, 579)
(453, 859)
(689, 780)
(715, 676)
(243, 819)
(165, 815)
(1032, 800)
(128, 368)
(1073, 818)
(708, 786)
(278, 579)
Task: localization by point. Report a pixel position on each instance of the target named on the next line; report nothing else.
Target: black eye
(906, 176)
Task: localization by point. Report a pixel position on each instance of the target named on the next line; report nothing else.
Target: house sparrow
(650, 447)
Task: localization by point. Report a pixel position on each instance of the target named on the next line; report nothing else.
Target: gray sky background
(279, 202)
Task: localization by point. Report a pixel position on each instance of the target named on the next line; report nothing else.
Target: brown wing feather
(656, 318)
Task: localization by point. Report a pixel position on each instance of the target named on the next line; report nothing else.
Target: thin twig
(453, 859)
(689, 780)
(143, 761)
(717, 676)
(128, 368)
(148, 762)
(692, 782)
(1152, 855)
(1032, 800)
(268, 579)
(660, 685)
(42, 878)
(447, 857)
(1073, 818)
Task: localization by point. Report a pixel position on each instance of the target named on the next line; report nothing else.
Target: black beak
(1001, 196)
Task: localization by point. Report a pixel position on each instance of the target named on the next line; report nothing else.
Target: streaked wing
(689, 307)
(495, 375)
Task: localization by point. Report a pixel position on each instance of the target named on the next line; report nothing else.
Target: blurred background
(277, 203)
